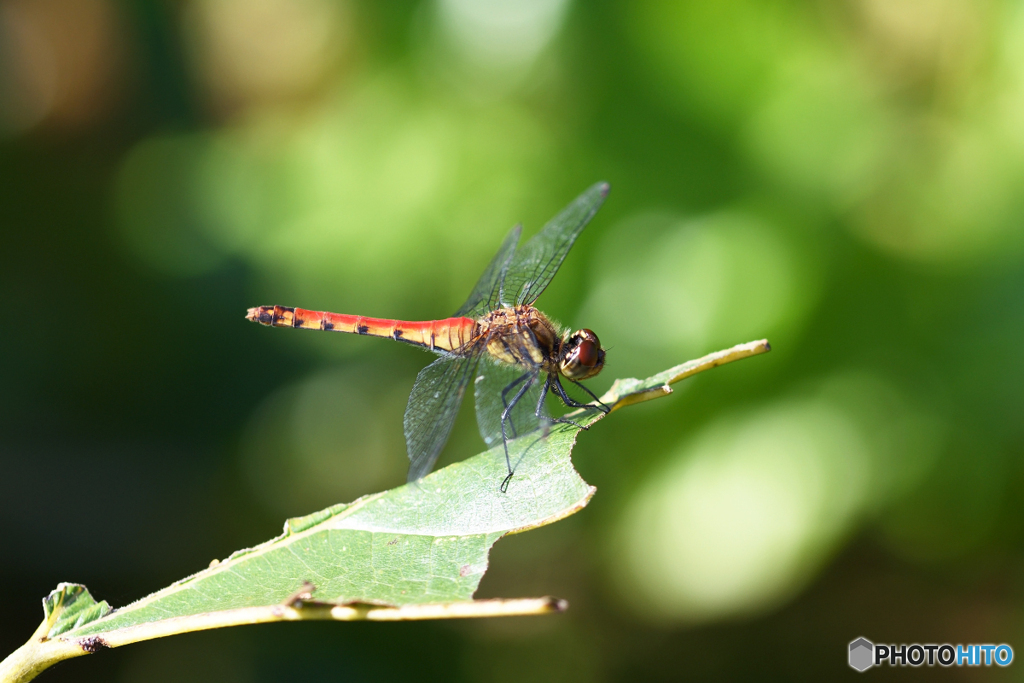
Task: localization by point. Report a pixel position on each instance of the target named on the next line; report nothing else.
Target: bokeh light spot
(502, 33)
(681, 287)
(157, 208)
(59, 62)
(265, 51)
(326, 439)
(741, 516)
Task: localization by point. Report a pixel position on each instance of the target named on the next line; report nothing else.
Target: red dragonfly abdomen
(449, 334)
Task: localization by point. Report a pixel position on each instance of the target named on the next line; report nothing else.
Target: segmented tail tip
(253, 314)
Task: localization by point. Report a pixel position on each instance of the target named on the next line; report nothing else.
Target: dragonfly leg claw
(566, 421)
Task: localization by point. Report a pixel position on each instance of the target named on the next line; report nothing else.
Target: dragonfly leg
(504, 403)
(600, 406)
(551, 383)
(573, 403)
(505, 416)
(542, 397)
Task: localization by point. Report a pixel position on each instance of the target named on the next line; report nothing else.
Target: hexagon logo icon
(862, 654)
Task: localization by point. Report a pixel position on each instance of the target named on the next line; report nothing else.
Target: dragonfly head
(582, 356)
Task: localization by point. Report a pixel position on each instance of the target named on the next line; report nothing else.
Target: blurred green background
(844, 178)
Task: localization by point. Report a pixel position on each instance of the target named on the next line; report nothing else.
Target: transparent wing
(484, 297)
(496, 385)
(433, 404)
(535, 264)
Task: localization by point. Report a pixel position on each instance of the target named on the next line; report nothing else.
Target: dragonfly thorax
(524, 336)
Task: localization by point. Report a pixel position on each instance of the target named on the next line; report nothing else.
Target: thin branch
(39, 653)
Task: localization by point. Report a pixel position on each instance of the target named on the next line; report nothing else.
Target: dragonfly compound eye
(586, 353)
(584, 357)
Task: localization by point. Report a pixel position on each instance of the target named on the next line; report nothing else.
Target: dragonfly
(513, 354)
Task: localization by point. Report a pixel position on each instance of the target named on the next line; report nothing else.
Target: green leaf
(425, 542)
(70, 606)
(414, 552)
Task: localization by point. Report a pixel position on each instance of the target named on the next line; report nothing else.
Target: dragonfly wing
(534, 265)
(496, 385)
(433, 404)
(484, 297)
